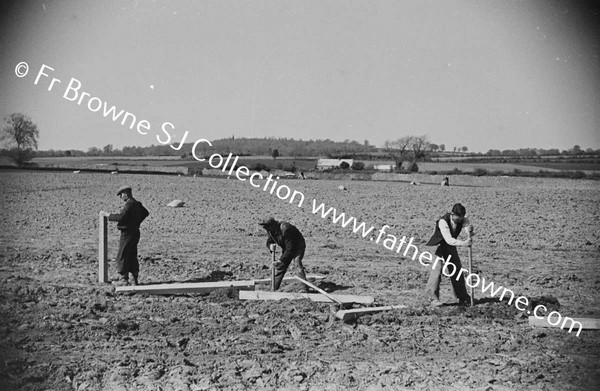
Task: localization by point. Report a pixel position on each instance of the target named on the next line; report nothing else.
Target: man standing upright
(447, 229)
(292, 245)
(128, 222)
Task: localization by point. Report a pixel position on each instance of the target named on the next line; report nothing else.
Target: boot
(122, 281)
(135, 281)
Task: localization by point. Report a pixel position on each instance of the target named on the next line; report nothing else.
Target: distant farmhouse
(383, 167)
(283, 174)
(324, 164)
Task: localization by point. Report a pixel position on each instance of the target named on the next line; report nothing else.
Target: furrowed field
(62, 330)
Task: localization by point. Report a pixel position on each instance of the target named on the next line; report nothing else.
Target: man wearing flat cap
(128, 222)
(292, 245)
(445, 236)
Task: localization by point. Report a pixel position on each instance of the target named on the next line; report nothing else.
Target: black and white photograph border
(299, 195)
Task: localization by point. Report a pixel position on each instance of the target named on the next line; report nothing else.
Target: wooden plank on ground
(586, 323)
(310, 277)
(185, 287)
(358, 312)
(264, 295)
(332, 297)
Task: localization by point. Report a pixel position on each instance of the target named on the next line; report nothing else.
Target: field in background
(191, 167)
(470, 167)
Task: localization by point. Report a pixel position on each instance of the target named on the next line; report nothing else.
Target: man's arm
(119, 216)
(467, 226)
(270, 240)
(445, 230)
(288, 242)
(143, 212)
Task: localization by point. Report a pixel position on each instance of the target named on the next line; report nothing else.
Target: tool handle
(273, 249)
(471, 271)
(330, 297)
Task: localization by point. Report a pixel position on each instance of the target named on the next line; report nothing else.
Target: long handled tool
(273, 249)
(471, 266)
(330, 297)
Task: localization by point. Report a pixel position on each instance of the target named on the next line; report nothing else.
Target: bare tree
(398, 148)
(388, 145)
(403, 144)
(22, 135)
(419, 146)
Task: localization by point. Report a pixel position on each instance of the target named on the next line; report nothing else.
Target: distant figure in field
(292, 245)
(447, 229)
(128, 222)
(446, 182)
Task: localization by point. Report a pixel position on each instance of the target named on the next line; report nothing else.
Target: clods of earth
(60, 329)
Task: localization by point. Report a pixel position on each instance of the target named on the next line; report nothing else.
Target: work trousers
(127, 256)
(435, 277)
(281, 269)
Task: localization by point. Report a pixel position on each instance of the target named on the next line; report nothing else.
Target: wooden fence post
(103, 248)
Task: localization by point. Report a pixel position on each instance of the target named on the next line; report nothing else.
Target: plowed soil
(62, 330)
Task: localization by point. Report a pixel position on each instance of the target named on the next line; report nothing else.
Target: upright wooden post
(102, 248)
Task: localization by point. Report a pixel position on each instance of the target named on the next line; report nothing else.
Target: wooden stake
(194, 287)
(102, 248)
(186, 287)
(265, 295)
(358, 312)
(566, 323)
(309, 277)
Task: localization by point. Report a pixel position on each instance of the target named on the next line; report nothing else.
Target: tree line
(20, 136)
(266, 146)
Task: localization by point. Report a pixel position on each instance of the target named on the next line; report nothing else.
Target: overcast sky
(494, 74)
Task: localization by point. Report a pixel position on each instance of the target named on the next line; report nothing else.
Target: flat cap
(124, 189)
(459, 210)
(267, 222)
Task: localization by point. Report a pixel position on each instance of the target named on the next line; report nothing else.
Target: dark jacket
(131, 216)
(288, 238)
(437, 238)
